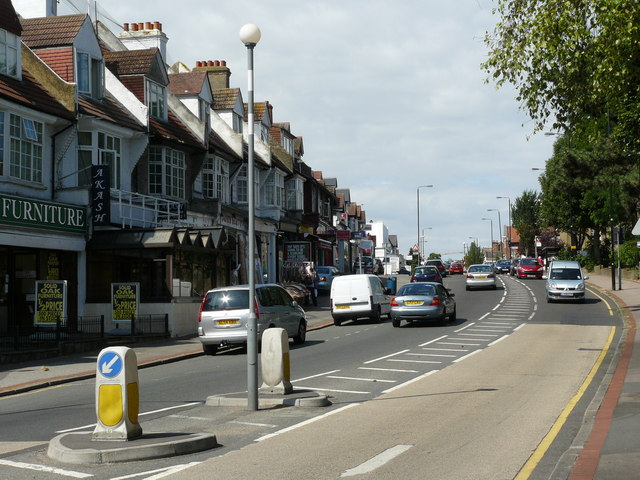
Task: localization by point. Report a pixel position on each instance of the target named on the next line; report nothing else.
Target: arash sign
(27, 212)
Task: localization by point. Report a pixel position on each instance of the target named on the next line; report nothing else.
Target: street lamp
(509, 224)
(250, 36)
(499, 228)
(418, 213)
(423, 238)
(491, 220)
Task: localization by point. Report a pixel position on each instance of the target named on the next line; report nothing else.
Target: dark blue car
(426, 274)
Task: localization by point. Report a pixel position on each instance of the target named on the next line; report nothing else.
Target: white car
(481, 276)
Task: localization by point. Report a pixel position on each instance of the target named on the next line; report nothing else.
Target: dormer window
(9, 54)
(157, 100)
(89, 75)
(237, 123)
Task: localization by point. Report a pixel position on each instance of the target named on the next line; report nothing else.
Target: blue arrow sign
(110, 364)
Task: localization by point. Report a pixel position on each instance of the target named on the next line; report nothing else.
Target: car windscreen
(226, 300)
(565, 274)
(416, 289)
(529, 261)
(426, 271)
(480, 269)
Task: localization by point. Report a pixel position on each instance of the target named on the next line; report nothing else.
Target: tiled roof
(187, 83)
(109, 110)
(8, 19)
(174, 131)
(51, 31)
(259, 110)
(130, 62)
(226, 98)
(30, 93)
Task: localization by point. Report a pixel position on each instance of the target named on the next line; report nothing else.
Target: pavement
(612, 449)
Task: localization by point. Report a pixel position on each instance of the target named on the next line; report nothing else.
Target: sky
(386, 95)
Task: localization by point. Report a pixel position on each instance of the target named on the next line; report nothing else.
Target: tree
(571, 60)
(474, 255)
(525, 215)
(434, 256)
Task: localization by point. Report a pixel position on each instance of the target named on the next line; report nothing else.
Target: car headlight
(552, 285)
(580, 286)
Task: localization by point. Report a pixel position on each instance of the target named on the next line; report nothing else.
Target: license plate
(481, 277)
(414, 302)
(228, 322)
(566, 294)
(342, 307)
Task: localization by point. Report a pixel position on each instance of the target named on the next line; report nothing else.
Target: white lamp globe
(250, 34)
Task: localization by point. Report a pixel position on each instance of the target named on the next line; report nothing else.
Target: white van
(359, 296)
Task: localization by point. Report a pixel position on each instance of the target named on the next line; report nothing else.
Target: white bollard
(276, 371)
(117, 395)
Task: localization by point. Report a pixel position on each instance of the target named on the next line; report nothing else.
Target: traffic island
(79, 448)
(297, 398)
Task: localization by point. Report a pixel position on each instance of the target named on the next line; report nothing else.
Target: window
(215, 179)
(237, 123)
(108, 152)
(156, 100)
(242, 192)
(167, 172)
(89, 75)
(25, 137)
(287, 144)
(294, 194)
(1, 143)
(274, 189)
(9, 54)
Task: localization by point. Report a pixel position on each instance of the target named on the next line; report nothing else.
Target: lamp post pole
(491, 220)
(424, 239)
(499, 229)
(418, 214)
(250, 36)
(509, 244)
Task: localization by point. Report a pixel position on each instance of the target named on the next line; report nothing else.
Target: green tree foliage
(474, 255)
(571, 60)
(434, 256)
(525, 216)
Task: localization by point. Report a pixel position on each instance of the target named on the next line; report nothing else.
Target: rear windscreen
(226, 300)
(416, 289)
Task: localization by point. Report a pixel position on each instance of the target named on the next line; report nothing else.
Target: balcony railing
(134, 210)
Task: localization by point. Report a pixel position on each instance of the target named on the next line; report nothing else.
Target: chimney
(217, 71)
(144, 35)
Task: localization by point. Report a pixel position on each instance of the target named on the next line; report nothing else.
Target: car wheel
(453, 316)
(209, 349)
(467, 287)
(337, 322)
(376, 315)
(300, 338)
(549, 300)
(395, 322)
(494, 287)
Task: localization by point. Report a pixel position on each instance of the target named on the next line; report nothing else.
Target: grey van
(224, 313)
(565, 281)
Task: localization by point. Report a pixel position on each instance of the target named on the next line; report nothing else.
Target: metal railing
(135, 210)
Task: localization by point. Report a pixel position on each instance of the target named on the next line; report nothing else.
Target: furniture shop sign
(125, 299)
(31, 213)
(51, 302)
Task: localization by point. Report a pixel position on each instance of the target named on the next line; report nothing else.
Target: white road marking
(377, 461)
(42, 468)
(334, 390)
(362, 379)
(466, 356)
(388, 369)
(445, 349)
(251, 424)
(315, 376)
(306, 422)
(479, 334)
(411, 361)
(386, 356)
(430, 355)
(410, 381)
(162, 472)
(465, 344)
(433, 341)
(141, 414)
(187, 417)
(464, 328)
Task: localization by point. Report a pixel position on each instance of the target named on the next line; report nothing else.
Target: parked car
(529, 268)
(439, 265)
(426, 274)
(367, 265)
(326, 274)
(224, 313)
(403, 271)
(299, 292)
(456, 268)
(480, 276)
(565, 281)
(514, 267)
(422, 301)
(503, 266)
(359, 296)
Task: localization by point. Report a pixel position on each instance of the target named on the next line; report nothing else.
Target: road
(471, 399)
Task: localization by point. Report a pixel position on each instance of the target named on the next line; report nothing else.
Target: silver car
(565, 281)
(326, 274)
(422, 301)
(481, 276)
(224, 314)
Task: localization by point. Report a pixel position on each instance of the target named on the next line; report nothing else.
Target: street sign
(110, 364)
